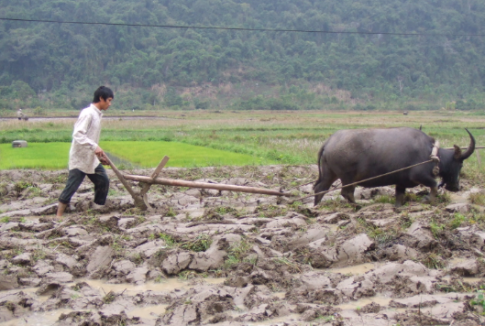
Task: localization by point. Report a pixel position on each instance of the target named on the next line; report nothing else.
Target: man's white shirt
(85, 139)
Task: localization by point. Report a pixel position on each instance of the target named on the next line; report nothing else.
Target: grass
(457, 221)
(237, 253)
(149, 154)
(433, 261)
(144, 154)
(436, 228)
(479, 302)
(36, 155)
(268, 137)
(199, 244)
(5, 219)
(169, 240)
(477, 198)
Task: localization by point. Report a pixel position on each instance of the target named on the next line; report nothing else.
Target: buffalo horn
(471, 148)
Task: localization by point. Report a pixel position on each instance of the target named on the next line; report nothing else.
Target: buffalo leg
(348, 193)
(432, 198)
(400, 193)
(432, 195)
(323, 184)
(433, 185)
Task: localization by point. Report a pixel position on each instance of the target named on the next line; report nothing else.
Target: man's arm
(80, 132)
(80, 136)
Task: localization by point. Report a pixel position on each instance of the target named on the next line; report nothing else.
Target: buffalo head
(451, 164)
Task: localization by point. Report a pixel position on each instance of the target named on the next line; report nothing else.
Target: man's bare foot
(60, 209)
(50, 219)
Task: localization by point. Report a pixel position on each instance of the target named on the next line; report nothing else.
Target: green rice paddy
(150, 153)
(35, 156)
(213, 138)
(143, 153)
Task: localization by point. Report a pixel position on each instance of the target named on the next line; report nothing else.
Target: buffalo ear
(457, 154)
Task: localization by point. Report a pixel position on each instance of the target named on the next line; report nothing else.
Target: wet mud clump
(208, 257)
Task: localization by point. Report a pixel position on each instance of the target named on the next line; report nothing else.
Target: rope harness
(433, 158)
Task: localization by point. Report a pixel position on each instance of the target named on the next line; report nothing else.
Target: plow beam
(204, 185)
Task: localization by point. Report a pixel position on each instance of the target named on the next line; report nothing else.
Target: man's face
(104, 104)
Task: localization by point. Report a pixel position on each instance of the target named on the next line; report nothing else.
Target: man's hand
(98, 151)
(101, 156)
(104, 160)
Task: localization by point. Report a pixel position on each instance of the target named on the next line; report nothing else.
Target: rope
(306, 184)
(365, 180)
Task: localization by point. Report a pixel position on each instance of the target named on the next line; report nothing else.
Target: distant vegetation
(45, 66)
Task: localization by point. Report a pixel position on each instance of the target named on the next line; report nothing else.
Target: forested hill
(49, 56)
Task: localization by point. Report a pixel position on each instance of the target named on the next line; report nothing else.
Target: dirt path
(222, 258)
(123, 117)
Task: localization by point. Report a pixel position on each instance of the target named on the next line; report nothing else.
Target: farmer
(85, 154)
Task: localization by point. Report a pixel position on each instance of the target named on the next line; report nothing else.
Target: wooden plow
(140, 197)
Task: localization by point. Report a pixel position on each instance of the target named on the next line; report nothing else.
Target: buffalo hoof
(429, 200)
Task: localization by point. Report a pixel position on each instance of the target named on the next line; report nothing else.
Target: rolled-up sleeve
(80, 132)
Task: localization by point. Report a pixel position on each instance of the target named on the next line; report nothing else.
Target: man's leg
(101, 184)
(74, 180)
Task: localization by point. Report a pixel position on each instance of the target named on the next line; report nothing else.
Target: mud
(204, 257)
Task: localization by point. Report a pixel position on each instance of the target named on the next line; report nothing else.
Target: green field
(144, 154)
(150, 153)
(261, 137)
(35, 156)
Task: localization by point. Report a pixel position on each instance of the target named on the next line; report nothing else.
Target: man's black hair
(104, 93)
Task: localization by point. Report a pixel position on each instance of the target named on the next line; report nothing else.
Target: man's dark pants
(76, 177)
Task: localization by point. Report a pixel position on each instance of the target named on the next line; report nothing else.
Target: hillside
(46, 62)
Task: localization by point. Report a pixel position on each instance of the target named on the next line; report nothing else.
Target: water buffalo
(353, 155)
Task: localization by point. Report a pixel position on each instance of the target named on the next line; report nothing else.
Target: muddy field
(222, 258)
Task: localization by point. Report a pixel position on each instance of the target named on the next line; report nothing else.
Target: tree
(171, 98)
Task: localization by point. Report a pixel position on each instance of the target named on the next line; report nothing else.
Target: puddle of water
(473, 279)
(148, 312)
(51, 317)
(354, 270)
(353, 305)
(279, 321)
(333, 227)
(280, 295)
(37, 319)
(168, 285)
(212, 280)
(466, 279)
(457, 260)
(458, 199)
